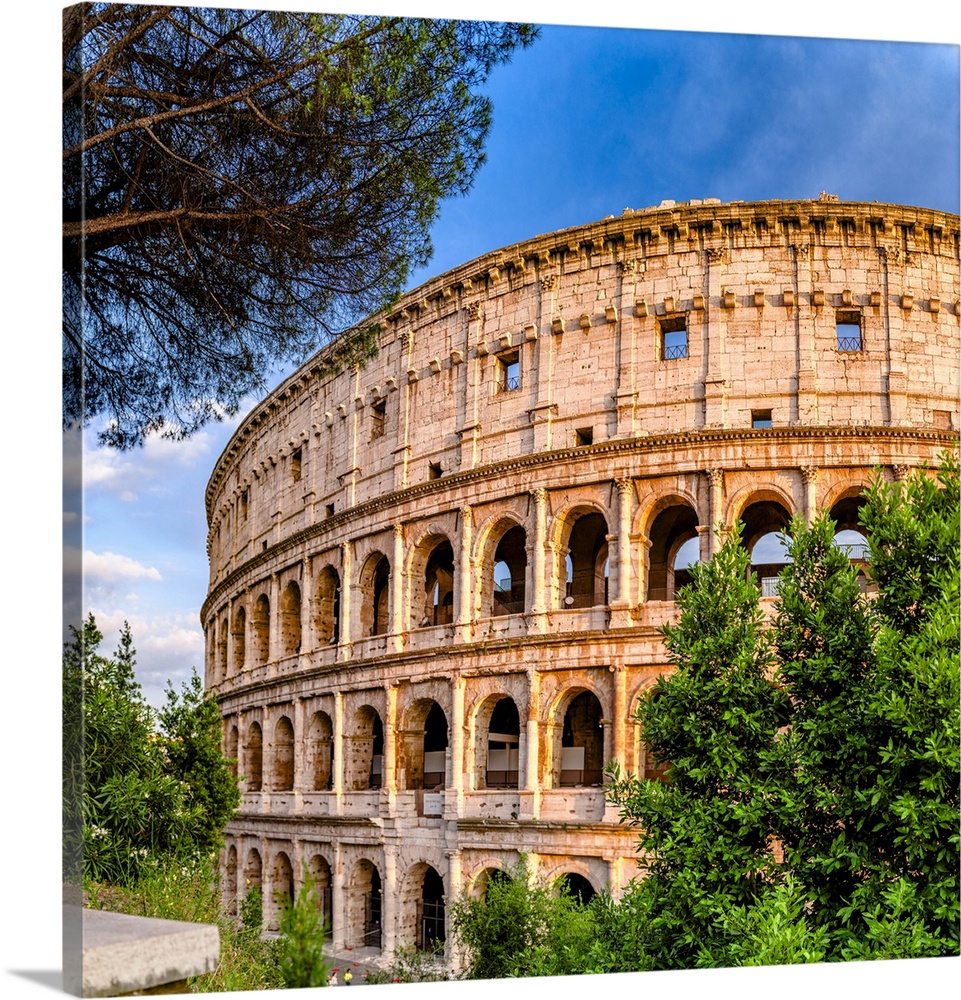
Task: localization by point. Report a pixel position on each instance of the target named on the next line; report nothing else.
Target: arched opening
(424, 746)
(254, 869)
(510, 568)
(686, 555)
(435, 748)
(489, 877)
(222, 642)
(240, 639)
(253, 875)
(439, 585)
(577, 887)
(282, 884)
(290, 628)
(431, 912)
(854, 544)
(260, 630)
(319, 870)
(850, 537)
(364, 906)
(321, 752)
(375, 589)
(327, 607)
(673, 530)
(231, 748)
(255, 757)
(586, 563)
(375, 776)
(651, 768)
(381, 598)
(580, 760)
(503, 738)
(230, 884)
(764, 525)
(283, 755)
(364, 763)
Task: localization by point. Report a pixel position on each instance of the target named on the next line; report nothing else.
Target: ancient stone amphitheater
(436, 579)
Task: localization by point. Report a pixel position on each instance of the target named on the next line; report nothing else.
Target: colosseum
(437, 578)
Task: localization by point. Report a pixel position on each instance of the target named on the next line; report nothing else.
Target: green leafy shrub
(140, 787)
(301, 960)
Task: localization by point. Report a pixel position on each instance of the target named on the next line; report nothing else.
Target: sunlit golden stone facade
(436, 579)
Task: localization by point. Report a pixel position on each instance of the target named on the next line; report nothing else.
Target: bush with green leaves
(705, 831)
(140, 787)
(811, 808)
(301, 958)
(522, 925)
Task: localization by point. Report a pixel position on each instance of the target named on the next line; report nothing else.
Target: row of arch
(508, 582)
(356, 906)
(498, 745)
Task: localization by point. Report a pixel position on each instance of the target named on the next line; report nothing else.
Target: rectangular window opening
(296, 467)
(330, 510)
(583, 436)
(508, 372)
(434, 470)
(244, 500)
(761, 418)
(673, 337)
(378, 419)
(849, 330)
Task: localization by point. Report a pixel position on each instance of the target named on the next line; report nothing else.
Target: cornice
(388, 664)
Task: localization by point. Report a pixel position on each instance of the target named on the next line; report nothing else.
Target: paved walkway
(360, 961)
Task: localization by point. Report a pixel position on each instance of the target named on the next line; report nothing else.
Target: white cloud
(107, 568)
(129, 475)
(169, 646)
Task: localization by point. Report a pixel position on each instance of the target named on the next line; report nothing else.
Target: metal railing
(849, 344)
(582, 777)
(675, 351)
(502, 607)
(855, 551)
(501, 779)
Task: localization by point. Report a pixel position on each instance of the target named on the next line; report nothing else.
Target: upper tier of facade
(674, 324)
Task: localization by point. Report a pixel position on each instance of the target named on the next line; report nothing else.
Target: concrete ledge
(123, 954)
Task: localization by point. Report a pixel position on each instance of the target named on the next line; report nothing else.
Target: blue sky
(585, 126)
(587, 122)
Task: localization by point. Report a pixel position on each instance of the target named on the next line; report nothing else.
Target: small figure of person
(332, 978)
(348, 976)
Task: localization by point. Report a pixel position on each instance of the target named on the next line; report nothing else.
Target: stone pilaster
(339, 752)
(530, 792)
(338, 916)
(538, 558)
(715, 512)
(464, 592)
(810, 476)
(346, 602)
(455, 797)
(389, 899)
(398, 626)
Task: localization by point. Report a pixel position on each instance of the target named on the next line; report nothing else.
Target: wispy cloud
(169, 645)
(109, 568)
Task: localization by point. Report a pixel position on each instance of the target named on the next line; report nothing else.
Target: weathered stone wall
(565, 414)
